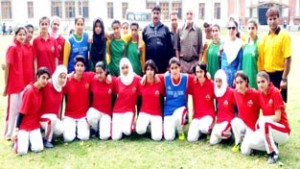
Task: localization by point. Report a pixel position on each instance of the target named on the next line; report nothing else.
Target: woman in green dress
(250, 54)
(213, 52)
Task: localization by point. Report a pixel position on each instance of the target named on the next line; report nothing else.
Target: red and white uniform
(99, 115)
(45, 52)
(29, 131)
(124, 108)
(243, 126)
(204, 109)
(272, 132)
(77, 105)
(15, 85)
(150, 113)
(52, 101)
(60, 40)
(28, 64)
(225, 114)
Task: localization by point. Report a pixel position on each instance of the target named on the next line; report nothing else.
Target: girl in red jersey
(243, 126)
(150, 113)
(27, 131)
(45, 47)
(14, 82)
(225, 106)
(52, 99)
(127, 88)
(60, 40)
(99, 115)
(203, 101)
(28, 61)
(273, 124)
(77, 102)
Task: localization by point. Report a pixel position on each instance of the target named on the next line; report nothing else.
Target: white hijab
(220, 74)
(59, 70)
(126, 80)
(232, 48)
(55, 35)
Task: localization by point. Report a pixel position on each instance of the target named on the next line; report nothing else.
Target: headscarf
(126, 80)
(232, 48)
(55, 35)
(55, 77)
(99, 43)
(220, 74)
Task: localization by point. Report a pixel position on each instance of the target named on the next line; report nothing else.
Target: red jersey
(45, 52)
(52, 100)
(226, 106)
(28, 66)
(60, 48)
(78, 99)
(151, 98)
(203, 99)
(31, 106)
(248, 107)
(127, 95)
(14, 58)
(102, 96)
(271, 102)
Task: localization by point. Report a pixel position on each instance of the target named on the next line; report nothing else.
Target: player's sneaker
(273, 158)
(181, 136)
(236, 148)
(48, 144)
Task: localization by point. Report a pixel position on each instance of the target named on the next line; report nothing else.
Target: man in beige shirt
(189, 44)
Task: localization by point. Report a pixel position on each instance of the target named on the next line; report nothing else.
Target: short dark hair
(202, 66)
(134, 24)
(29, 26)
(150, 63)
(156, 8)
(101, 65)
(174, 60)
(79, 58)
(263, 74)
(41, 71)
(253, 22)
(45, 18)
(78, 18)
(19, 29)
(272, 11)
(116, 22)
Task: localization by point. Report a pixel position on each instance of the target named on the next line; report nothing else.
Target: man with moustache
(189, 44)
(157, 38)
(174, 31)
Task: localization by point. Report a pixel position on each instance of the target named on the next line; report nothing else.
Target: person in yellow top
(275, 52)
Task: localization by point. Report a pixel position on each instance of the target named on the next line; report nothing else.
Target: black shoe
(273, 158)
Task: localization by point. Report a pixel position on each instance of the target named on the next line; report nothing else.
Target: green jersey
(213, 58)
(249, 64)
(117, 50)
(134, 56)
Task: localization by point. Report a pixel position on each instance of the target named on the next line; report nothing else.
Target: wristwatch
(284, 79)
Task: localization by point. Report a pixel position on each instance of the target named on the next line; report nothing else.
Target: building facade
(215, 11)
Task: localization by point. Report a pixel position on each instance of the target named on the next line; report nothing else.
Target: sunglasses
(251, 28)
(231, 28)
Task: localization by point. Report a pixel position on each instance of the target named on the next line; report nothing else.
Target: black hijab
(99, 43)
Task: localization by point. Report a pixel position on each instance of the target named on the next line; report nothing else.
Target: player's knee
(117, 137)
(68, 137)
(37, 148)
(169, 136)
(140, 130)
(156, 137)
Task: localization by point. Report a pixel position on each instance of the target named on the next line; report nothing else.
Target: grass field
(141, 152)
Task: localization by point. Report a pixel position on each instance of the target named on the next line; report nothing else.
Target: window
(217, 11)
(30, 9)
(6, 10)
(176, 6)
(164, 10)
(124, 9)
(56, 9)
(83, 8)
(110, 10)
(150, 5)
(297, 8)
(201, 11)
(70, 9)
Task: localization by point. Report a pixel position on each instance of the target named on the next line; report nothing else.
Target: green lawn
(140, 152)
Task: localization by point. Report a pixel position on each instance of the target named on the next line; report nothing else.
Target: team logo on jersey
(156, 92)
(169, 87)
(109, 91)
(271, 102)
(250, 103)
(86, 85)
(59, 47)
(207, 97)
(225, 103)
(134, 89)
(52, 48)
